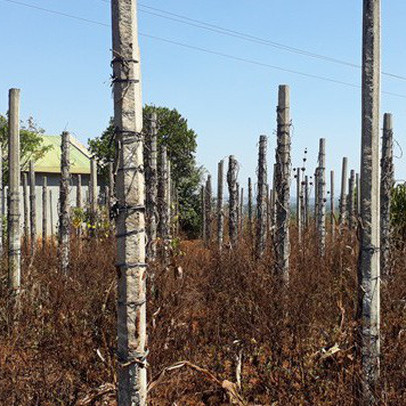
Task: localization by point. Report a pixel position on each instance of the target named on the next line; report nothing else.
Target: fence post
(387, 183)
(306, 201)
(51, 217)
(233, 200)
(250, 209)
(282, 184)
(261, 198)
(44, 212)
(220, 214)
(79, 192)
(14, 243)
(203, 208)
(64, 206)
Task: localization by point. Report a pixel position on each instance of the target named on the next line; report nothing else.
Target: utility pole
(130, 189)
(14, 244)
(368, 271)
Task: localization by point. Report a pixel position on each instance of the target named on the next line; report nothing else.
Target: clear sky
(62, 66)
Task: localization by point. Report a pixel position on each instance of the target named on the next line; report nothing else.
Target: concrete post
(44, 212)
(93, 193)
(33, 209)
(26, 204)
(14, 244)
(351, 200)
(220, 213)
(332, 207)
(79, 192)
(387, 183)
(343, 195)
(130, 189)
(322, 196)
(64, 207)
(233, 200)
(369, 272)
(261, 198)
(282, 184)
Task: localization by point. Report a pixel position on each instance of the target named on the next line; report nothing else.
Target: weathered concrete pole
(44, 212)
(33, 208)
(14, 243)
(316, 195)
(306, 201)
(369, 272)
(111, 193)
(51, 217)
(220, 213)
(203, 209)
(250, 225)
(169, 198)
(387, 183)
(262, 198)
(64, 206)
(1, 203)
(343, 195)
(130, 189)
(79, 192)
(358, 194)
(298, 205)
(233, 200)
(26, 204)
(163, 192)
(208, 209)
(238, 210)
(151, 183)
(322, 197)
(282, 184)
(332, 207)
(351, 200)
(93, 192)
(241, 207)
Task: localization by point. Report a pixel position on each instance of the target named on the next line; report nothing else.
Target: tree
(31, 143)
(181, 143)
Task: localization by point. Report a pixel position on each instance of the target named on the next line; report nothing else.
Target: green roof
(51, 161)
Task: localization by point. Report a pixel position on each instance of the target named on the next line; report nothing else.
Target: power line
(204, 50)
(248, 37)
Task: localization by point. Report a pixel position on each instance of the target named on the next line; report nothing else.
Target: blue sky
(62, 66)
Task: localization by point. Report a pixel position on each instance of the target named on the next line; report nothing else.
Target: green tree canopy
(31, 143)
(181, 143)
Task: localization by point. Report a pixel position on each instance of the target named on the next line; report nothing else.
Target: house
(49, 166)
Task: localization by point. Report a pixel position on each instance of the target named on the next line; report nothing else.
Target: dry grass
(59, 349)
